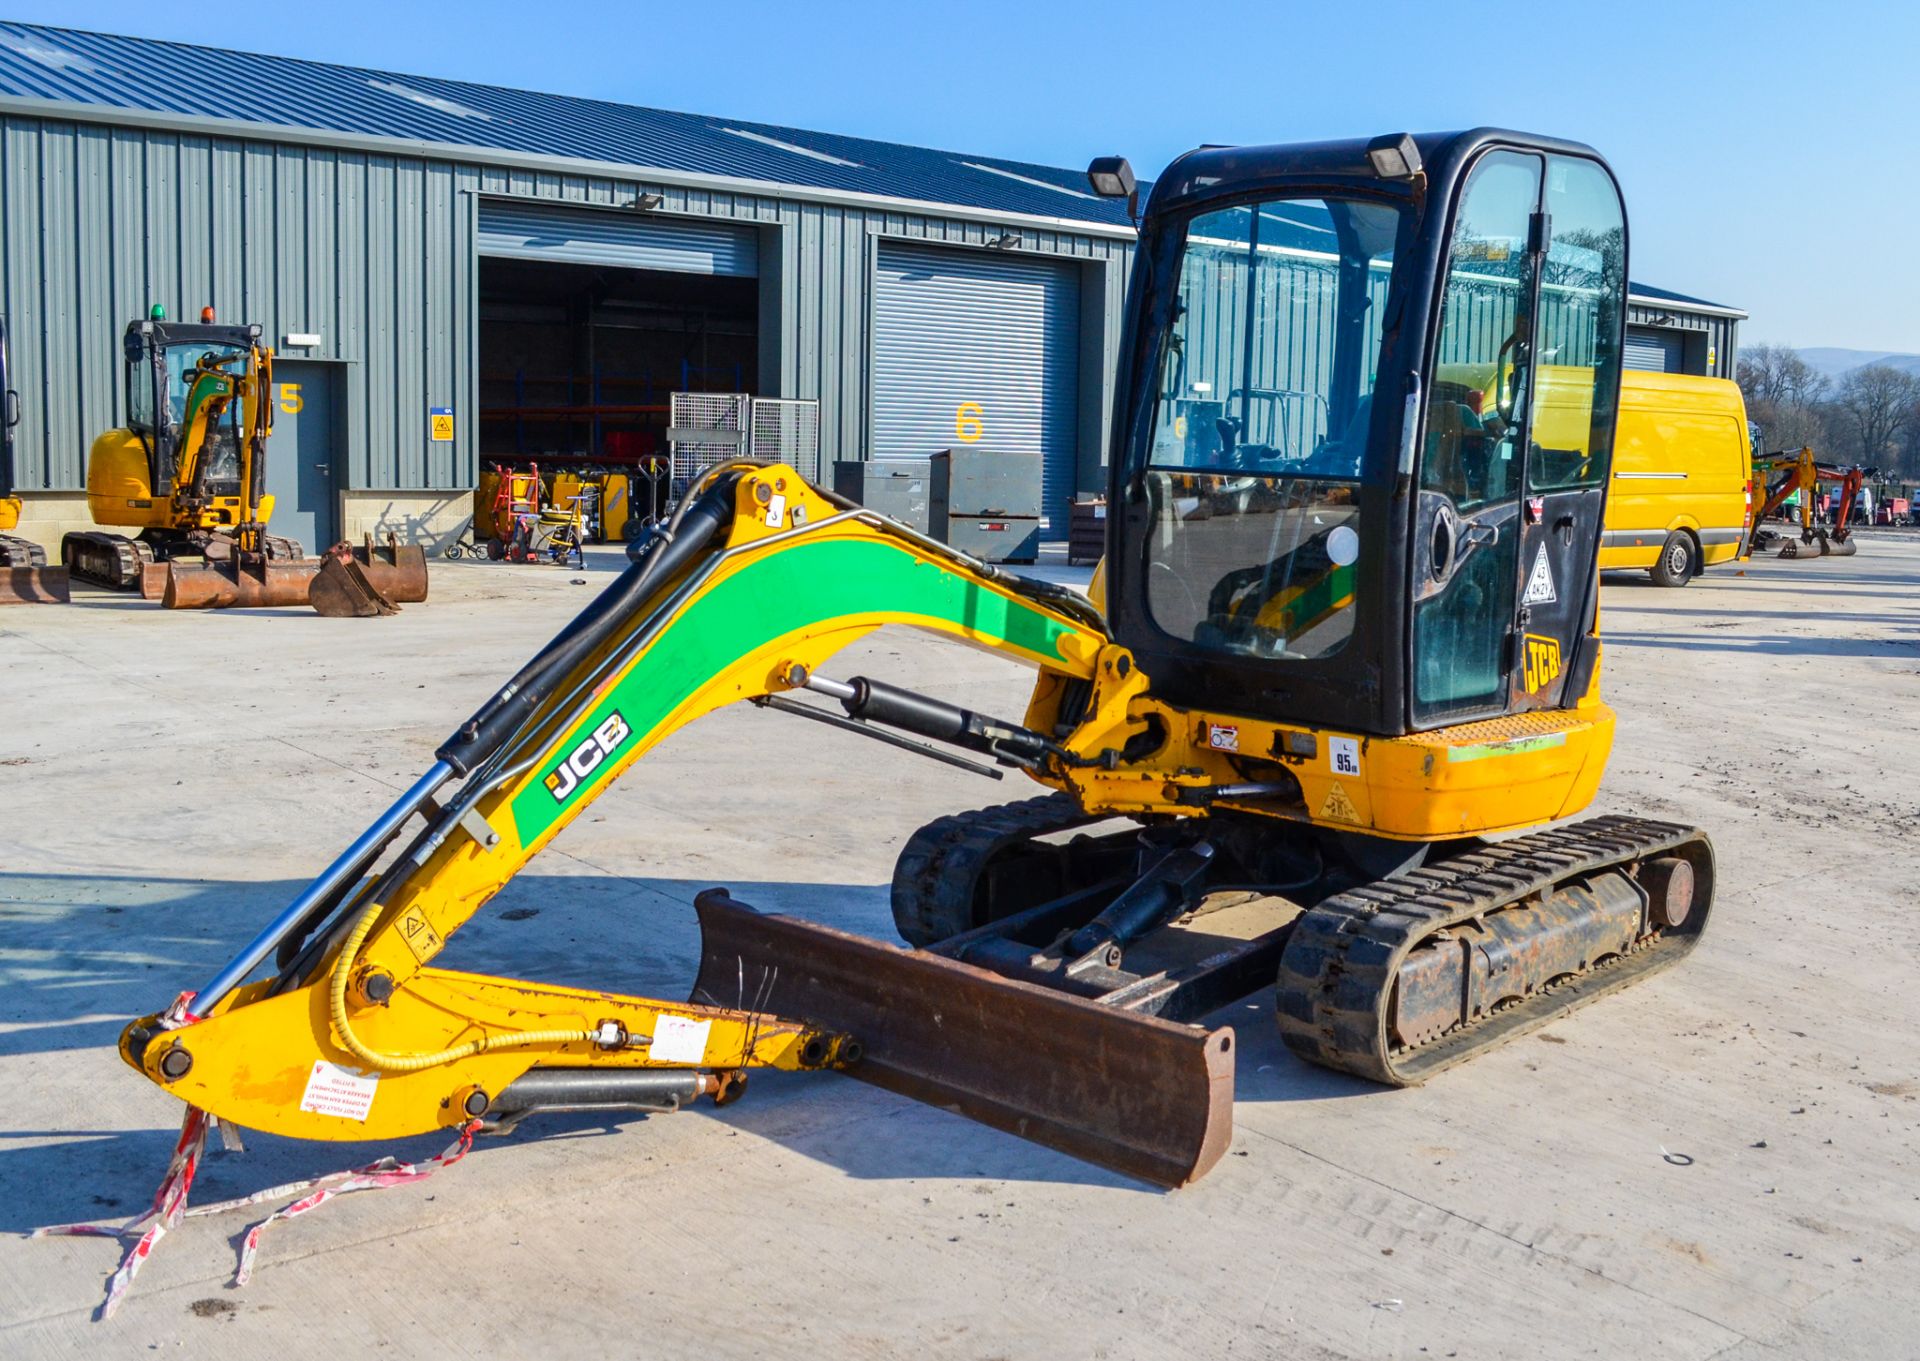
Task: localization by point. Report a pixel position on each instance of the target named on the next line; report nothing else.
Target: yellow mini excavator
(1345, 642)
(25, 577)
(189, 471)
(188, 468)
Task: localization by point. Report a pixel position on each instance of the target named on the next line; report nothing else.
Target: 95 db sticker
(1223, 736)
(1343, 755)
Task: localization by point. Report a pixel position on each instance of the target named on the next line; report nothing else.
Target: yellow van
(1682, 491)
(1682, 476)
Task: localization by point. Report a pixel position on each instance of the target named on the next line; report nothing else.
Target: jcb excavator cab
(175, 371)
(1363, 429)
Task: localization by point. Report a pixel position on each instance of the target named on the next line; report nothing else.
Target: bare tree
(1784, 395)
(1874, 403)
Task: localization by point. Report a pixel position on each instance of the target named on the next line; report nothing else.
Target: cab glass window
(1579, 344)
(1266, 368)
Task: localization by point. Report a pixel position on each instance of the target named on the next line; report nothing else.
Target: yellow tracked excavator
(188, 472)
(1344, 643)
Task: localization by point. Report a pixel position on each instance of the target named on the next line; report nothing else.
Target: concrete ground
(1718, 1163)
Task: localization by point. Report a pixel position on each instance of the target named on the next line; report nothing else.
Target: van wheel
(1675, 565)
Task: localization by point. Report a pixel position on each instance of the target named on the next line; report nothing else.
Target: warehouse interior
(577, 361)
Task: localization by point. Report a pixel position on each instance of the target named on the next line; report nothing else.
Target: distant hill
(1835, 363)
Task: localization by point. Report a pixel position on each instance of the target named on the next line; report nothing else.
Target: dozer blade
(34, 586)
(1141, 1096)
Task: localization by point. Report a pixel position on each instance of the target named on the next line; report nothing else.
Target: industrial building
(1670, 332)
(455, 273)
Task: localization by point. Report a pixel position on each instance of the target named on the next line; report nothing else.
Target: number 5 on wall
(290, 401)
(969, 422)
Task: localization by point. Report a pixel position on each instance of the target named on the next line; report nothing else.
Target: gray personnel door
(973, 347)
(303, 457)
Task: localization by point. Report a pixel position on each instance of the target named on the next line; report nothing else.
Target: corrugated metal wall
(1701, 333)
(999, 332)
(376, 253)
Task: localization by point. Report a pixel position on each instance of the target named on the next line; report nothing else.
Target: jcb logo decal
(1543, 662)
(586, 758)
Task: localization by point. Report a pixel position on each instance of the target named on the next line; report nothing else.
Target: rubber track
(938, 868)
(1338, 971)
(128, 557)
(15, 552)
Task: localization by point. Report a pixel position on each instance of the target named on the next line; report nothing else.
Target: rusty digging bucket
(1142, 1096)
(34, 586)
(1818, 547)
(344, 582)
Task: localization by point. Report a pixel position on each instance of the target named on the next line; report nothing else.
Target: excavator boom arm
(757, 582)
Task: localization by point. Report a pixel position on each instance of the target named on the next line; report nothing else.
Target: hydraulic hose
(698, 523)
(413, 1063)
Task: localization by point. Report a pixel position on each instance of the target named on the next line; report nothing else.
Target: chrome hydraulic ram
(351, 863)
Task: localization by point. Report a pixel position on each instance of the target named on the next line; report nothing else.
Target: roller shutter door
(1655, 351)
(584, 236)
(974, 344)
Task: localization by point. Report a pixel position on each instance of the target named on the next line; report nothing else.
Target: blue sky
(1767, 148)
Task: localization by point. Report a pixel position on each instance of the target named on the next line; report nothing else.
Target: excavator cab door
(1517, 437)
(149, 413)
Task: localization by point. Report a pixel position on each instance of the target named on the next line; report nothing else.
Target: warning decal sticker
(1540, 582)
(344, 1092)
(1338, 807)
(678, 1040)
(420, 937)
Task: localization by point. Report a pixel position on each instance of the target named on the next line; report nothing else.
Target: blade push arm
(760, 580)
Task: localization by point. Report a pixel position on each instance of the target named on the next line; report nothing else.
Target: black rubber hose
(494, 722)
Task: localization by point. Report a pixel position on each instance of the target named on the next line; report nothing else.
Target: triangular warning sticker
(1540, 582)
(1338, 807)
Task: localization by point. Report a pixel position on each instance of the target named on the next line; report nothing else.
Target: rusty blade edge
(34, 586)
(1134, 1094)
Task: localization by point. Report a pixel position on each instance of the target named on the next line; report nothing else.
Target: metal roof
(1648, 293)
(107, 72)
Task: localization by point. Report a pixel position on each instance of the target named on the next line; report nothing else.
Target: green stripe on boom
(791, 589)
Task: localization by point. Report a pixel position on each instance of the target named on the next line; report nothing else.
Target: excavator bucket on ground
(392, 573)
(34, 586)
(359, 583)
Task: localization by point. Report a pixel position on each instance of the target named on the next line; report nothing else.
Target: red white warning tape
(170, 1201)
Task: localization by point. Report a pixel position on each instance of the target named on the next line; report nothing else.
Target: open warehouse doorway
(590, 320)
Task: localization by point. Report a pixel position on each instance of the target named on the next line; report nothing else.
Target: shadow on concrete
(1770, 644)
(86, 954)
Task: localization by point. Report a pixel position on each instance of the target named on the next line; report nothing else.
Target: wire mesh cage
(704, 430)
(787, 430)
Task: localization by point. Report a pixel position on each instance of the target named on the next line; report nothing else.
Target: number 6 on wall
(969, 422)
